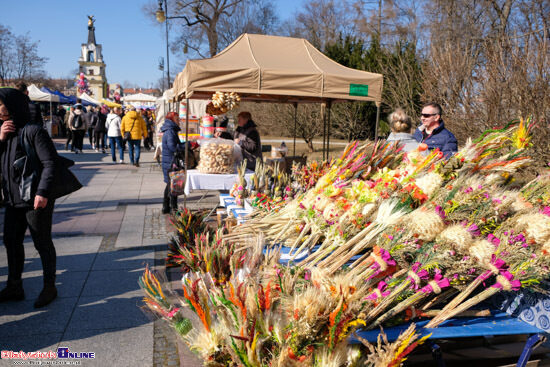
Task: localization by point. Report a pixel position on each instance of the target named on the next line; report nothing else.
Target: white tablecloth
(209, 181)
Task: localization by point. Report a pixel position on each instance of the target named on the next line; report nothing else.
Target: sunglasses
(426, 115)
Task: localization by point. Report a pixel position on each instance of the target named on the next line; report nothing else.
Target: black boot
(48, 294)
(13, 291)
(173, 203)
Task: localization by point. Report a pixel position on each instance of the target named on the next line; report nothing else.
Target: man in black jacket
(34, 109)
(248, 138)
(35, 213)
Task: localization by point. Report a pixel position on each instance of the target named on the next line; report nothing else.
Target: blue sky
(132, 43)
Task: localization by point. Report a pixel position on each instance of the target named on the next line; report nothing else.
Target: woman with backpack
(34, 213)
(78, 125)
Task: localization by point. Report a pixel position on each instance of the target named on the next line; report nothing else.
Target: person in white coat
(112, 124)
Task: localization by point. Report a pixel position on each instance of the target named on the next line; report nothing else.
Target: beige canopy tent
(278, 69)
(284, 69)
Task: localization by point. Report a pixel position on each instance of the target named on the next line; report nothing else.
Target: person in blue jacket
(433, 131)
(170, 144)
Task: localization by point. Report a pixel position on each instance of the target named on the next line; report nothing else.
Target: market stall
(37, 95)
(140, 99)
(277, 69)
(90, 100)
(378, 239)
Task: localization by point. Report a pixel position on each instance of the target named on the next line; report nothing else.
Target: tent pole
(328, 127)
(377, 121)
(295, 124)
(323, 116)
(187, 146)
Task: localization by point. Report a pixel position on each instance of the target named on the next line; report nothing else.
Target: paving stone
(100, 312)
(41, 342)
(115, 346)
(128, 259)
(20, 318)
(69, 262)
(110, 283)
(77, 245)
(69, 284)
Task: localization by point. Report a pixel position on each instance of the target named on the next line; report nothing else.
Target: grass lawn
(302, 149)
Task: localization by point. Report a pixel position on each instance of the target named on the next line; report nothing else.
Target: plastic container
(207, 121)
(208, 132)
(217, 156)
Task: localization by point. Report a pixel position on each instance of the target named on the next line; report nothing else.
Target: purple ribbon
(493, 239)
(514, 283)
(422, 274)
(386, 257)
(382, 288)
(439, 280)
(474, 230)
(439, 210)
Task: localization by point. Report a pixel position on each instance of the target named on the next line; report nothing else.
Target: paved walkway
(104, 234)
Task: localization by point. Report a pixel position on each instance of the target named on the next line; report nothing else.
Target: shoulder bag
(65, 182)
(128, 134)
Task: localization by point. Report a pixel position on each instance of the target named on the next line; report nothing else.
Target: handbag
(128, 134)
(65, 182)
(177, 182)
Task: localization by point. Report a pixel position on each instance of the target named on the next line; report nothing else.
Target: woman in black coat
(34, 213)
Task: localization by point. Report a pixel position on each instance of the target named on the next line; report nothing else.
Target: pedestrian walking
(93, 117)
(78, 124)
(35, 213)
(99, 129)
(112, 124)
(133, 128)
(70, 111)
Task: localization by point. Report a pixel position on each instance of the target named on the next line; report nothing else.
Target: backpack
(77, 121)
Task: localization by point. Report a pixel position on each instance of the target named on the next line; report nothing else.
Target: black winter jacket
(250, 143)
(36, 115)
(11, 150)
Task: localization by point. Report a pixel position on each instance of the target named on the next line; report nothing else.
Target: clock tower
(91, 64)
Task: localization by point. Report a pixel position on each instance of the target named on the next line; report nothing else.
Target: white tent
(87, 98)
(140, 99)
(37, 95)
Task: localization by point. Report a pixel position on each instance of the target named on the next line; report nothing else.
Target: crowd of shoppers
(112, 128)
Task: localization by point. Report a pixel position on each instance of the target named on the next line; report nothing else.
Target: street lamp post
(162, 16)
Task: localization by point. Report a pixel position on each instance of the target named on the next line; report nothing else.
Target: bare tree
(6, 54)
(488, 63)
(29, 65)
(19, 58)
(204, 27)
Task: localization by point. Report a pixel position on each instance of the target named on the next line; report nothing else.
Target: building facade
(92, 66)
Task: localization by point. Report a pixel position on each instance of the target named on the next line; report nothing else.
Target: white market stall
(140, 99)
(35, 94)
(90, 99)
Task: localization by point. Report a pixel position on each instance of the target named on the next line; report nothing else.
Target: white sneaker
(121, 162)
(96, 150)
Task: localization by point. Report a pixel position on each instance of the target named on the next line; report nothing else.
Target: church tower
(91, 64)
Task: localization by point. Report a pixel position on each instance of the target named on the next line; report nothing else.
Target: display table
(210, 181)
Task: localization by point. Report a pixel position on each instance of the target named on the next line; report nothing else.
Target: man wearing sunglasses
(433, 131)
